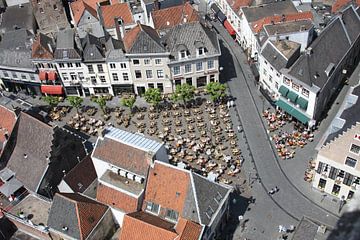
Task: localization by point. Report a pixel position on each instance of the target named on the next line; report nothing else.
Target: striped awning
(292, 111)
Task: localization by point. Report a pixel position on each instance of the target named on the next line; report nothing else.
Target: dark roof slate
(272, 55)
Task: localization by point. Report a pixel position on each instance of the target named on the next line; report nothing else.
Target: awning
(42, 75)
(52, 89)
(292, 111)
(52, 75)
(229, 28)
(303, 103)
(11, 186)
(292, 96)
(283, 91)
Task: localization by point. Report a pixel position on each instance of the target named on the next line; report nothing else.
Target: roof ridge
(195, 197)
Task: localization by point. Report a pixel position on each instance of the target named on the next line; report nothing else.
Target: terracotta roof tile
(78, 7)
(168, 187)
(7, 122)
(339, 4)
(120, 10)
(40, 48)
(170, 17)
(116, 199)
(258, 25)
(122, 155)
(188, 230)
(141, 225)
(237, 4)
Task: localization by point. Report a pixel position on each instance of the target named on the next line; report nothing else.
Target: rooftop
(288, 27)
(122, 182)
(7, 122)
(16, 17)
(34, 206)
(79, 6)
(117, 10)
(237, 4)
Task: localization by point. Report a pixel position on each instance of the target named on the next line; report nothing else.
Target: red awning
(42, 75)
(52, 75)
(228, 27)
(52, 89)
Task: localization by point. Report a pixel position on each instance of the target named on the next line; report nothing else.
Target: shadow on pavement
(226, 61)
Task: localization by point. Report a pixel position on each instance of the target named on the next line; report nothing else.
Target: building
(74, 216)
(337, 168)
(45, 151)
(174, 196)
(307, 86)
(42, 56)
(165, 19)
(149, 60)
(7, 123)
(194, 53)
(18, 16)
(11, 3)
(85, 17)
(150, 5)
(18, 73)
(122, 161)
(117, 19)
(68, 60)
(50, 16)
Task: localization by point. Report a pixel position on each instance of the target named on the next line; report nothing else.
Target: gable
(87, 18)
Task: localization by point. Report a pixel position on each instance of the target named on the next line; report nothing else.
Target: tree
(52, 101)
(128, 102)
(183, 93)
(101, 101)
(75, 101)
(216, 90)
(153, 96)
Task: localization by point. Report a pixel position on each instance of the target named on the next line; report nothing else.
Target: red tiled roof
(118, 10)
(258, 25)
(38, 51)
(141, 225)
(78, 7)
(88, 211)
(237, 4)
(116, 199)
(188, 230)
(167, 187)
(339, 4)
(122, 155)
(170, 17)
(7, 122)
(130, 37)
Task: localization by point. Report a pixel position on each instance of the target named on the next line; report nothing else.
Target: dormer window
(172, 215)
(201, 51)
(153, 208)
(183, 54)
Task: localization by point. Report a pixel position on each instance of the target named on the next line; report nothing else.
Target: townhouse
(150, 5)
(149, 60)
(337, 162)
(305, 85)
(122, 160)
(194, 51)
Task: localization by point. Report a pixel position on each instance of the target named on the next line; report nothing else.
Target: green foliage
(216, 90)
(153, 96)
(101, 101)
(183, 93)
(53, 101)
(128, 102)
(75, 101)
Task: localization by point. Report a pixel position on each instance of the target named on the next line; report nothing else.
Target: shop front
(16, 86)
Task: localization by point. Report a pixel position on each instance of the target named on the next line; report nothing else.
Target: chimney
(156, 5)
(119, 26)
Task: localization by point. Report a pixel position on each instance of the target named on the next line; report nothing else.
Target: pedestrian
(239, 128)
(228, 104)
(231, 103)
(272, 191)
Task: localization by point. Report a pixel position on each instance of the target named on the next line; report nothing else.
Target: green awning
(303, 103)
(292, 111)
(283, 91)
(292, 96)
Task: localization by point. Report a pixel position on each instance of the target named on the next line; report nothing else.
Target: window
(100, 68)
(153, 207)
(199, 66)
(265, 73)
(149, 74)
(348, 179)
(14, 74)
(125, 76)
(295, 87)
(81, 75)
(90, 68)
(212, 78)
(32, 77)
(6, 74)
(211, 64)
(136, 62)
(61, 65)
(112, 65)
(93, 79)
(265, 62)
(188, 68)
(172, 215)
(65, 76)
(115, 77)
(137, 73)
(322, 183)
(305, 92)
(146, 61)
(102, 79)
(350, 162)
(336, 189)
(73, 76)
(157, 61)
(160, 86)
(77, 64)
(287, 81)
(320, 167)
(201, 51)
(189, 81)
(151, 85)
(333, 173)
(355, 148)
(123, 65)
(270, 78)
(183, 54)
(350, 195)
(160, 73)
(23, 76)
(277, 74)
(70, 65)
(177, 82)
(176, 70)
